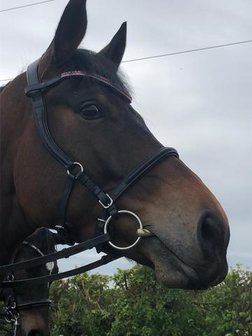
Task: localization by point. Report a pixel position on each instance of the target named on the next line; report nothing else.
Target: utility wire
(24, 6)
(173, 53)
(186, 51)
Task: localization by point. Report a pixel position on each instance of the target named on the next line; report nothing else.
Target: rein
(65, 253)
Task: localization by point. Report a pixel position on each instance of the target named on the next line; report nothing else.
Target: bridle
(74, 170)
(75, 174)
(12, 305)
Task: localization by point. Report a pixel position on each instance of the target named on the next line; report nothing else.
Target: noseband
(74, 170)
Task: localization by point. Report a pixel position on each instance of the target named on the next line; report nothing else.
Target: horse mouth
(173, 271)
(170, 270)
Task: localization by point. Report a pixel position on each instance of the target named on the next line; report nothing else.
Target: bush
(131, 303)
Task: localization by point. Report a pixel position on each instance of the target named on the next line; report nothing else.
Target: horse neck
(14, 112)
(14, 115)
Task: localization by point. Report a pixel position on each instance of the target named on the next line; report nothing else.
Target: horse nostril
(211, 235)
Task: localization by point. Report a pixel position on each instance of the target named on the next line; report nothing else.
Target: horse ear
(115, 49)
(70, 32)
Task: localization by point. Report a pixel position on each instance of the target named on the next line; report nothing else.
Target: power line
(24, 6)
(186, 51)
(173, 53)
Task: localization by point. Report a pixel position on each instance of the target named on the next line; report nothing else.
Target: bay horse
(27, 305)
(73, 149)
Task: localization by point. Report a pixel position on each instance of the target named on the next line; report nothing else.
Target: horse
(75, 153)
(27, 306)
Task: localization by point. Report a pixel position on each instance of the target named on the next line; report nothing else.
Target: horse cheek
(38, 182)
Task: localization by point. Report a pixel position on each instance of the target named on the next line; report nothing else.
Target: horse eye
(90, 112)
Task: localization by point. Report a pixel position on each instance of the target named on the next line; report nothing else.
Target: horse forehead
(89, 90)
(74, 89)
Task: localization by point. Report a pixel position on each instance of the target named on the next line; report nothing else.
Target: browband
(33, 88)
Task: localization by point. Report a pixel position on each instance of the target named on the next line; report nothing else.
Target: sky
(198, 102)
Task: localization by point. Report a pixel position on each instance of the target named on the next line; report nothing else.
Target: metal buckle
(72, 167)
(127, 212)
(106, 206)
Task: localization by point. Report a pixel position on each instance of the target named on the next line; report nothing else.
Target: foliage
(131, 303)
(5, 330)
(81, 304)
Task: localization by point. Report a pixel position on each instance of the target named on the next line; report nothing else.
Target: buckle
(109, 203)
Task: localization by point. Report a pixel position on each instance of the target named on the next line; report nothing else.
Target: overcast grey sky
(200, 102)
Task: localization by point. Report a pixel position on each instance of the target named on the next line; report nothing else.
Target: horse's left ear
(115, 49)
(70, 32)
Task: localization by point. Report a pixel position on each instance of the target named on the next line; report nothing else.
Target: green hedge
(131, 303)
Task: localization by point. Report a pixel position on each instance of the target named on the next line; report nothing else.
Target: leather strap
(39, 109)
(141, 170)
(34, 304)
(49, 278)
(65, 253)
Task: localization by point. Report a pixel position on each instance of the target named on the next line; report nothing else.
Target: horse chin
(185, 277)
(170, 271)
(174, 272)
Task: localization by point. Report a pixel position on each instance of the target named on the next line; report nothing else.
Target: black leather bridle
(75, 174)
(74, 170)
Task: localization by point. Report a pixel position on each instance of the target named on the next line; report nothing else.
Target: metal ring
(13, 305)
(78, 164)
(130, 213)
(8, 316)
(10, 277)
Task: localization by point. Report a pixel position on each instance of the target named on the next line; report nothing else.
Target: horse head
(184, 230)
(31, 303)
